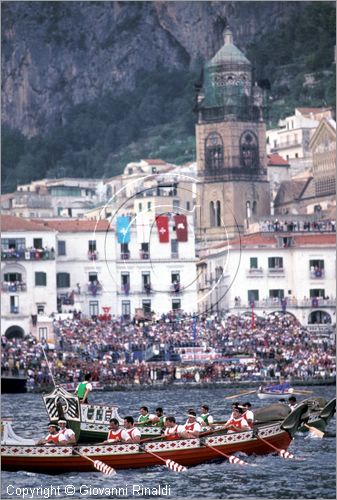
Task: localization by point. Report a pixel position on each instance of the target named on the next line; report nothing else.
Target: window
(249, 150)
(174, 248)
(253, 263)
(175, 277)
(92, 277)
(37, 243)
(254, 207)
(40, 308)
(247, 209)
(218, 214)
(176, 304)
(126, 309)
(149, 204)
(317, 292)
(188, 205)
(125, 278)
(125, 248)
(253, 296)
(146, 304)
(40, 279)
(140, 207)
(175, 204)
(14, 304)
(93, 307)
(212, 214)
(13, 243)
(214, 152)
(275, 262)
(92, 246)
(43, 333)
(12, 277)
(146, 278)
(61, 247)
(63, 280)
(276, 293)
(144, 247)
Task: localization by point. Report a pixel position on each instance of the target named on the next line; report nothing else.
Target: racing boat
(21, 455)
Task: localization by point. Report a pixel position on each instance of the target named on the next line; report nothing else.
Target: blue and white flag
(123, 229)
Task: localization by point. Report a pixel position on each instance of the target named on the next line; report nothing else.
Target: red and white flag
(181, 227)
(163, 229)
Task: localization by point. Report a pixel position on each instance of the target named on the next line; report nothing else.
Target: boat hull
(273, 395)
(13, 385)
(187, 452)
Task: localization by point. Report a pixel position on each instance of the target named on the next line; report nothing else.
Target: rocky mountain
(59, 54)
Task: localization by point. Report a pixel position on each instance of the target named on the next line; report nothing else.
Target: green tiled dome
(229, 53)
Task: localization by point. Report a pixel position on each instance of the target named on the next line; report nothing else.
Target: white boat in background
(274, 393)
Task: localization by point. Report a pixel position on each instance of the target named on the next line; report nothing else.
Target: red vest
(115, 435)
(172, 434)
(190, 426)
(236, 423)
(53, 438)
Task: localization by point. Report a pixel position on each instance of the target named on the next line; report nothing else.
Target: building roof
(275, 160)
(12, 223)
(78, 226)
(155, 161)
(291, 190)
(315, 239)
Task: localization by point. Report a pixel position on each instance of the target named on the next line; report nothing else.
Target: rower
(236, 423)
(84, 388)
(145, 416)
(292, 402)
(159, 418)
(52, 437)
(134, 434)
(191, 428)
(248, 414)
(205, 418)
(171, 428)
(115, 433)
(66, 436)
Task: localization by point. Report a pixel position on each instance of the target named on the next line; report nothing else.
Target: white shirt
(65, 435)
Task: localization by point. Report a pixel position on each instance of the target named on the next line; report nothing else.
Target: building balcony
(125, 256)
(144, 255)
(317, 274)
(94, 288)
(18, 286)
(93, 255)
(174, 255)
(176, 288)
(276, 302)
(276, 271)
(254, 272)
(14, 310)
(27, 254)
(147, 288)
(125, 289)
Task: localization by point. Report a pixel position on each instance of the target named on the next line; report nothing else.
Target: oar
(315, 431)
(101, 466)
(304, 391)
(241, 394)
(282, 453)
(299, 392)
(231, 458)
(170, 464)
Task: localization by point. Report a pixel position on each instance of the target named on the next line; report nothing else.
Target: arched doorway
(319, 317)
(15, 332)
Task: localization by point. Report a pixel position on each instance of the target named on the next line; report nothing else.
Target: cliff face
(57, 54)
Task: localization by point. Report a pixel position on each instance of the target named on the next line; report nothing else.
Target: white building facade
(287, 272)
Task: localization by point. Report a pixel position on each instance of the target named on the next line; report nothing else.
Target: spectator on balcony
(147, 288)
(176, 286)
(126, 288)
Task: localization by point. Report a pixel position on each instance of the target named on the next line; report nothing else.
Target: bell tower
(230, 144)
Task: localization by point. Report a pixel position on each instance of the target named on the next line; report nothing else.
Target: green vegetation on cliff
(156, 120)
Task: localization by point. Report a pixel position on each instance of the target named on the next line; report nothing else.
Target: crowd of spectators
(275, 225)
(119, 353)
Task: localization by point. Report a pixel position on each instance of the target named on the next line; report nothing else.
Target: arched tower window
(254, 207)
(249, 150)
(212, 214)
(218, 214)
(213, 152)
(248, 210)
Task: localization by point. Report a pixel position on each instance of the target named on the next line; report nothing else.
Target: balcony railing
(144, 255)
(125, 256)
(276, 270)
(271, 302)
(14, 310)
(94, 288)
(255, 272)
(147, 288)
(174, 255)
(176, 288)
(125, 288)
(317, 274)
(93, 255)
(27, 254)
(18, 286)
